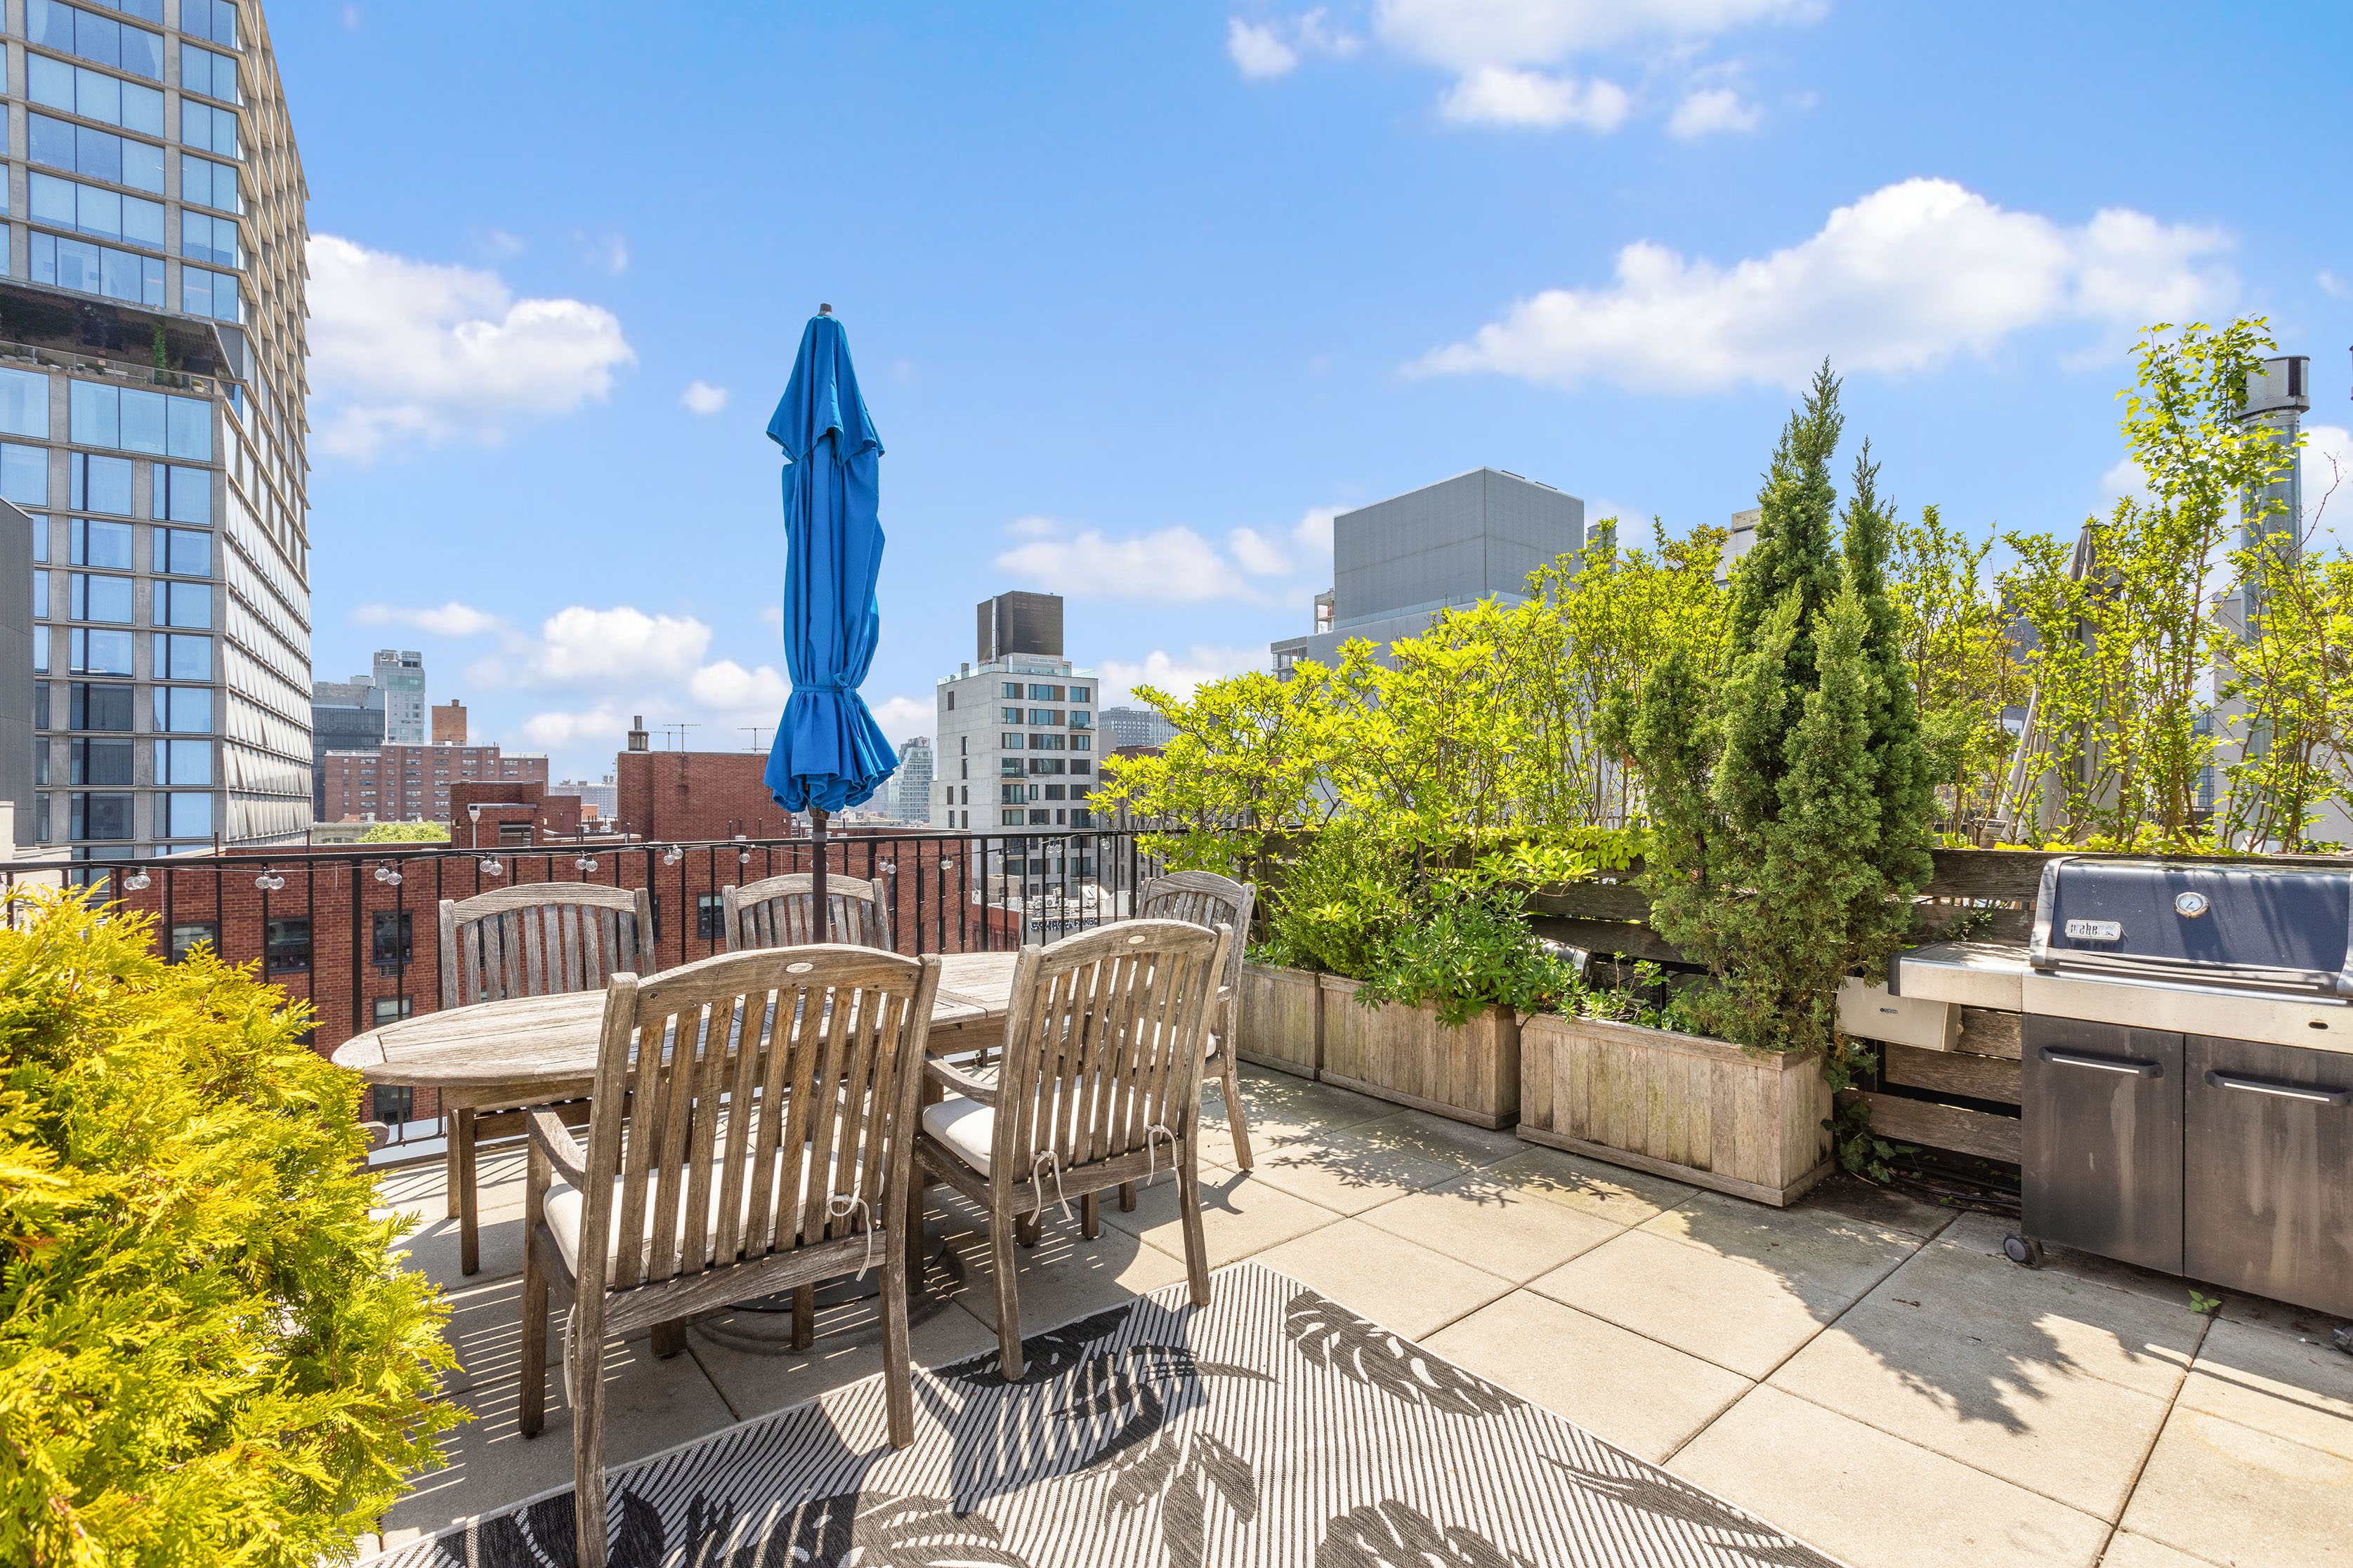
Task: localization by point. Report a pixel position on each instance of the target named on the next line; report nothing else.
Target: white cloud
(1265, 50)
(1176, 676)
(2328, 468)
(1170, 563)
(580, 645)
(1908, 277)
(1468, 33)
(1710, 109)
(702, 397)
(904, 717)
(1507, 95)
(2332, 285)
(553, 730)
(450, 620)
(2122, 481)
(772, 617)
(1258, 51)
(404, 350)
(609, 250)
(1513, 61)
(730, 688)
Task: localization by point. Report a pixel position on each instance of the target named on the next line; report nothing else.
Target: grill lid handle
(2103, 1064)
(2281, 1090)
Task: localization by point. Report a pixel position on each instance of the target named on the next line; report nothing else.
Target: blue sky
(1141, 294)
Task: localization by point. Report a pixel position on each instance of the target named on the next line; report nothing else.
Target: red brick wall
(926, 879)
(695, 796)
(348, 793)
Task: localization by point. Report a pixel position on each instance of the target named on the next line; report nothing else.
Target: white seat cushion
(963, 1127)
(566, 1209)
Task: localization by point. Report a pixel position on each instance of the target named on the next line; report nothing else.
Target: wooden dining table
(536, 1050)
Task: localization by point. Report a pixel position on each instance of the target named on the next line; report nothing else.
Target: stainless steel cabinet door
(2270, 1173)
(2103, 1138)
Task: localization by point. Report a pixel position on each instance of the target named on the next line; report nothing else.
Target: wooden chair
(545, 939)
(1207, 898)
(1099, 1087)
(787, 1144)
(780, 911)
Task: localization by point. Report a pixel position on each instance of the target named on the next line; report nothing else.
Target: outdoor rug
(1273, 1427)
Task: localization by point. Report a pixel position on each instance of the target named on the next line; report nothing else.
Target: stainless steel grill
(2188, 1080)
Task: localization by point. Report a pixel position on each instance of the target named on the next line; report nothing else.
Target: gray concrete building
(1396, 563)
(345, 716)
(152, 424)
(1017, 728)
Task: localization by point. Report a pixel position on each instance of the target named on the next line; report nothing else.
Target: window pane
(53, 199)
(98, 39)
(192, 427)
(94, 413)
(191, 815)
(25, 404)
(24, 475)
(98, 652)
(143, 170)
(105, 544)
(119, 275)
(183, 553)
(106, 817)
(184, 763)
(100, 761)
(51, 82)
(102, 598)
(142, 110)
(51, 141)
(191, 604)
(189, 495)
(98, 154)
(184, 710)
(143, 222)
(182, 657)
(143, 53)
(98, 211)
(142, 421)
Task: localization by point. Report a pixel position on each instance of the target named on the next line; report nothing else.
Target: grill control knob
(2190, 906)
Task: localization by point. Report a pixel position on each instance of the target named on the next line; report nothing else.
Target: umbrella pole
(817, 883)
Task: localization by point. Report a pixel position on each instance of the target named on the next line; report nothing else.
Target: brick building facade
(693, 797)
(513, 812)
(412, 783)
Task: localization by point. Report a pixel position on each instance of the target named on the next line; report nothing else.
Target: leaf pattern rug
(1273, 1427)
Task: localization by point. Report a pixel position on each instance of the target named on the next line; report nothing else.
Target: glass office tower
(151, 421)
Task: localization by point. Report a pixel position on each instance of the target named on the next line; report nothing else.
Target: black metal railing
(353, 929)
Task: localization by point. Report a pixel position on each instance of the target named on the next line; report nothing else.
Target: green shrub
(207, 1355)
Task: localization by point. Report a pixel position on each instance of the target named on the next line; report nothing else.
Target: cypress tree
(1788, 795)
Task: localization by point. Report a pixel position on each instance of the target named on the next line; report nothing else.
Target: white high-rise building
(1017, 727)
(401, 677)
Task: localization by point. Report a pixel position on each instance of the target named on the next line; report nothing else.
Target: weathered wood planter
(1281, 1020)
(1403, 1054)
(1694, 1109)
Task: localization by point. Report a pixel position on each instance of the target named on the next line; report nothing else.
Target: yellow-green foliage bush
(206, 1354)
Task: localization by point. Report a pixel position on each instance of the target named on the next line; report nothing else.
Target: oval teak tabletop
(550, 1042)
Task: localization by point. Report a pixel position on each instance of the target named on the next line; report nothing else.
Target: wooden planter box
(1403, 1054)
(1696, 1110)
(1281, 1022)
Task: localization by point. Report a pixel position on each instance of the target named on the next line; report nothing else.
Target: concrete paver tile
(1799, 1242)
(1983, 1233)
(1281, 1106)
(1240, 1215)
(1730, 1310)
(2130, 1550)
(2275, 1382)
(1607, 1192)
(1437, 1137)
(849, 1346)
(1999, 1404)
(1624, 1389)
(1347, 1172)
(1858, 1199)
(1402, 1286)
(2103, 1331)
(2243, 1498)
(1065, 1276)
(1494, 1224)
(1876, 1501)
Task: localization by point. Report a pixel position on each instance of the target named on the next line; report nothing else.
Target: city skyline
(1149, 382)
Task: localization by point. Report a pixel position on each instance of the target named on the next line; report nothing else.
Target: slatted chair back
(780, 911)
(774, 1108)
(1205, 899)
(1102, 1048)
(543, 940)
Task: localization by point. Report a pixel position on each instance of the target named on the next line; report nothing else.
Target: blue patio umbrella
(829, 754)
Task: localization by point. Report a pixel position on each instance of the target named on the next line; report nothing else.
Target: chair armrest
(970, 1084)
(556, 1141)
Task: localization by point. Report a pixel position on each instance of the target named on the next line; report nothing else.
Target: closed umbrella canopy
(829, 754)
